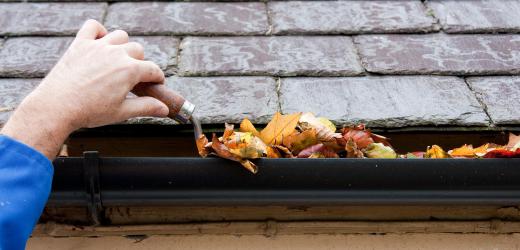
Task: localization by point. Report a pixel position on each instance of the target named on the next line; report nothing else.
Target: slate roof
(385, 63)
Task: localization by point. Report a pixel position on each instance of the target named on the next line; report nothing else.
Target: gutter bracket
(92, 187)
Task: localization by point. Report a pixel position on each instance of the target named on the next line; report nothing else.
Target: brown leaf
(249, 166)
(318, 148)
(201, 142)
(284, 150)
(221, 150)
(279, 127)
(247, 126)
(299, 141)
(352, 150)
(325, 129)
(272, 152)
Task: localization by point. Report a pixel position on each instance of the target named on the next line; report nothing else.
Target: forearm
(39, 126)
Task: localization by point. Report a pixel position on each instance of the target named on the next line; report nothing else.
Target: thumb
(91, 29)
(143, 106)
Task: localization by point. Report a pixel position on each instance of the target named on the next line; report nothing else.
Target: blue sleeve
(25, 184)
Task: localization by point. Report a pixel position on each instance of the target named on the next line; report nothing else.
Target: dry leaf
(465, 151)
(318, 148)
(435, 151)
(246, 145)
(202, 143)
(503, 153)
(325, 129)
(298, 141)
(247, 126)
(228, 131)
(352, 150)
(284, 150)
(361, 137)
(379, 150)
(272, 152)
(279, 127)
(249, 166)
(221, 149)
(514, 142)
(414, 155)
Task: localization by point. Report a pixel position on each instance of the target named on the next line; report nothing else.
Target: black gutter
(141, 181)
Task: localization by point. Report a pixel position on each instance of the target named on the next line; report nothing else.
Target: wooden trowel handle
(180, 109)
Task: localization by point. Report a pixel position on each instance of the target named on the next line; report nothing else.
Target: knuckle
(121, 33)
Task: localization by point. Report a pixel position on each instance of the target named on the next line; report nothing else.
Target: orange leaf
(279, 127)
(228, 131)
(464, 151)
(272, 153)
(201, 142)
(247, 126)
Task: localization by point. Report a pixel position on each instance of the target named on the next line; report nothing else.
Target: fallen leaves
(303, 135)
(279, 127)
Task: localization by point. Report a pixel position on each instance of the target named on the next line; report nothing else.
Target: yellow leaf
(464, 151)
(279, 127)
(327, 123)
(247, 126)
(436, 152)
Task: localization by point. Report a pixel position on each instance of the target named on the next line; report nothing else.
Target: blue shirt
(25, 184)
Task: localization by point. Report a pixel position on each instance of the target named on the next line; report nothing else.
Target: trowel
(181, 110)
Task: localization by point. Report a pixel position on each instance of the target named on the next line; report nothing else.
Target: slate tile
(12, 92)
(35, 56)
(31, 56)
(224, 99)
(349, 17)
(501, 95)
(385, 101)
(149, 18)
(160, 49)
(47, 18)
(440, 54)
(279, 55)
(477, 16)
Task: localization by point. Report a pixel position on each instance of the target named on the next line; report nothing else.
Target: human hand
(86, 88)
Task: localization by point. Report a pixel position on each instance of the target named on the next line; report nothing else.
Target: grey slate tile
(47, 18)
(12, 92)
(160, 49)
(149, 18)
(440, 54)
(349, 17)
(35, 56)
(474, 16)
(388, 101)
(501, 95)
(278, 55)
(31, 56)
(224, 99)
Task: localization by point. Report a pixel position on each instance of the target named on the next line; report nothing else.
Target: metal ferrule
(185, 112)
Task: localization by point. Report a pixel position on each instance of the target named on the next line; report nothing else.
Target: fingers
(115, 37)
(91, 29)
(134, 50)
(149, 72)
(143, 106)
